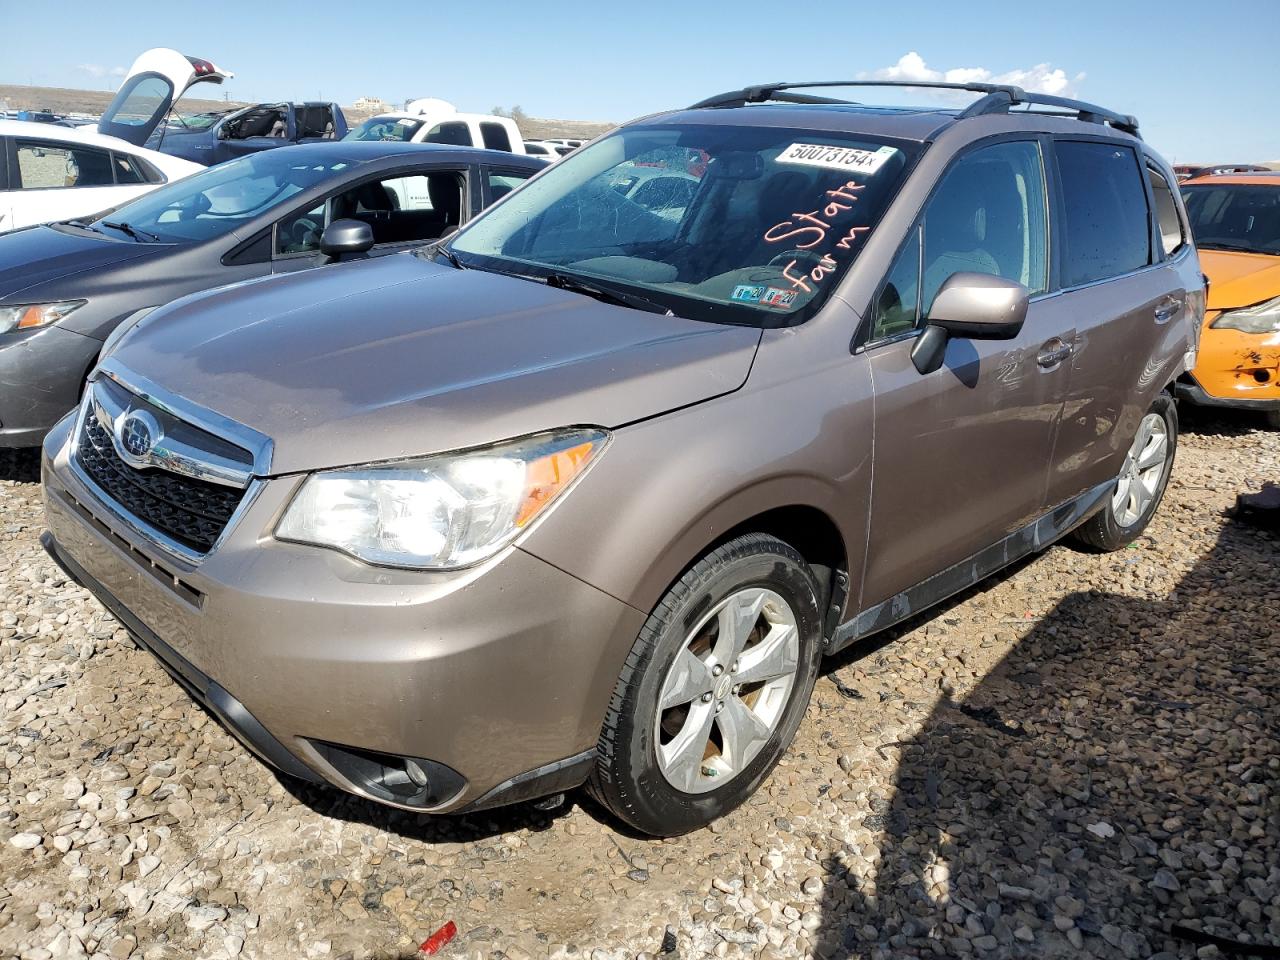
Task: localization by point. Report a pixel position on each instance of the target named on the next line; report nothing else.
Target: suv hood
(1240, 279)
(397, 357)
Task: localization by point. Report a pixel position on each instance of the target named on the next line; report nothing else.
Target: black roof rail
(997, 98)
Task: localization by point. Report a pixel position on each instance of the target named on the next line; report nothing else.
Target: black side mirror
(976, 306)
(345, 238)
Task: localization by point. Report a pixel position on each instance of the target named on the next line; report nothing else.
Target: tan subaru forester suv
(585, 493)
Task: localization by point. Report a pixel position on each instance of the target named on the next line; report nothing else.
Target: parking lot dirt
(1079, 757)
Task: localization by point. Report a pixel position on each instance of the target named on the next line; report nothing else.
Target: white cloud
(1041, 78)
(98, 71)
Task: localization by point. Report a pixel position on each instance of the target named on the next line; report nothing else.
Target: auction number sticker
(849, 159)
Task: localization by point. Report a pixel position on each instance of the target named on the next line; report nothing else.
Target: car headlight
(441, 512)
(1260, 318)
(25, 316)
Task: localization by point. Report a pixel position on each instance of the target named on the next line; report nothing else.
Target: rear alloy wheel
(713, 690)
(1141, 483)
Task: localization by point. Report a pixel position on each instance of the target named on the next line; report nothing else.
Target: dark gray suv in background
(585, 493)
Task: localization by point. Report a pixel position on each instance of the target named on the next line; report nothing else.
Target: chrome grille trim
(97, 401)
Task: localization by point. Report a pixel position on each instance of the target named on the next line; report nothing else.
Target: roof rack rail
(997, 98)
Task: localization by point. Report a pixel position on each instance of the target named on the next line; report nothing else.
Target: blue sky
(1203, 79)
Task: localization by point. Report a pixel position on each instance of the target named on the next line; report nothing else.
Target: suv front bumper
(500, 673)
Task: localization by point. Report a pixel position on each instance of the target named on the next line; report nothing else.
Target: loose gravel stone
(1066, 761)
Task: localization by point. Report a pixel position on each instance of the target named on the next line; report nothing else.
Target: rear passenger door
(961, 454)
(1125, 297)
(54, 180)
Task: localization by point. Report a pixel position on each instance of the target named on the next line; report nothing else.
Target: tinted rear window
(495, 136)
(1106, 224)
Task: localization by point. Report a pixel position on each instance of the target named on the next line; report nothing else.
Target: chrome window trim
(1179, 256)
(258, 445)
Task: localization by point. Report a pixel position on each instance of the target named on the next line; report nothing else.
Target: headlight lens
(1260, 318)
(443, 512)
(25, 316)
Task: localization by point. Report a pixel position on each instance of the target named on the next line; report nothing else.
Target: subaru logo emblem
(137, 434)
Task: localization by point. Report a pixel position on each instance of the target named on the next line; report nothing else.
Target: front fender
(670, 487)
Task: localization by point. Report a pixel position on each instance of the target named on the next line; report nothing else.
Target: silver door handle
(1167, 309)
(1051, 356)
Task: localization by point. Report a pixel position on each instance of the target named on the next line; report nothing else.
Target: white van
(437, 121)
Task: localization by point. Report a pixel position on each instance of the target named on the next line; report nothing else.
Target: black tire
(1103, 531)
(627, 779)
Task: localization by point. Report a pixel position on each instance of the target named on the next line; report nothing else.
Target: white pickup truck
(430, 120)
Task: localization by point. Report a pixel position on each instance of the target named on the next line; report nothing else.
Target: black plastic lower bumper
(229, 711)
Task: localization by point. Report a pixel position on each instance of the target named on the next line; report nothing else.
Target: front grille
(189, 511)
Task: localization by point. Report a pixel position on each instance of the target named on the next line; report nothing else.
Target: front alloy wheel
(727, 689)
(714, 687)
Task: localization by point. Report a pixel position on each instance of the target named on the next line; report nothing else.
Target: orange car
(1236, 222)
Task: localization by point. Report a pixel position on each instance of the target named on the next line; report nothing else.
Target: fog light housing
(404, 781)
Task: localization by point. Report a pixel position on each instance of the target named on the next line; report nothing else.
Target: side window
(495, 136)
(453, 131)
(300, 232)
(42, 166)
(1106, 226)
(405, 209)
(988, 216)
(126, 171)
(1171, 237)
(897, 308)
(502, 183)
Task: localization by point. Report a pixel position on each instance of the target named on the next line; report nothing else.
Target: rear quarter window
(453, 132)
(495, 136)
(1105, 220)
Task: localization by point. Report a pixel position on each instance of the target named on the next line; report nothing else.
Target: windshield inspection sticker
(775, 297)
(748, 292)
(850, 159)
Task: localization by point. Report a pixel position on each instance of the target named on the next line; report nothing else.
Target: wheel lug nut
(719, 706)
(734, 668)
(717, 670)
(706, 698)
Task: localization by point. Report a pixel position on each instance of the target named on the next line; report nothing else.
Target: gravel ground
(1080, 758)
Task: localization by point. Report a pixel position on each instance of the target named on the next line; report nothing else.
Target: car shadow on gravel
(1208, 421)
(1111, 787)
(426, 828)
(21, 466)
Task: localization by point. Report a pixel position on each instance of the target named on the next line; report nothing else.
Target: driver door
(961, 455)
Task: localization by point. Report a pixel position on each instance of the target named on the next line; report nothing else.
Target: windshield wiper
(79, 223)
(451, 257)
(130, 231)
(621, 298)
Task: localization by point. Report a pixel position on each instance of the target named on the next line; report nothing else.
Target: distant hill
(93, 102)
